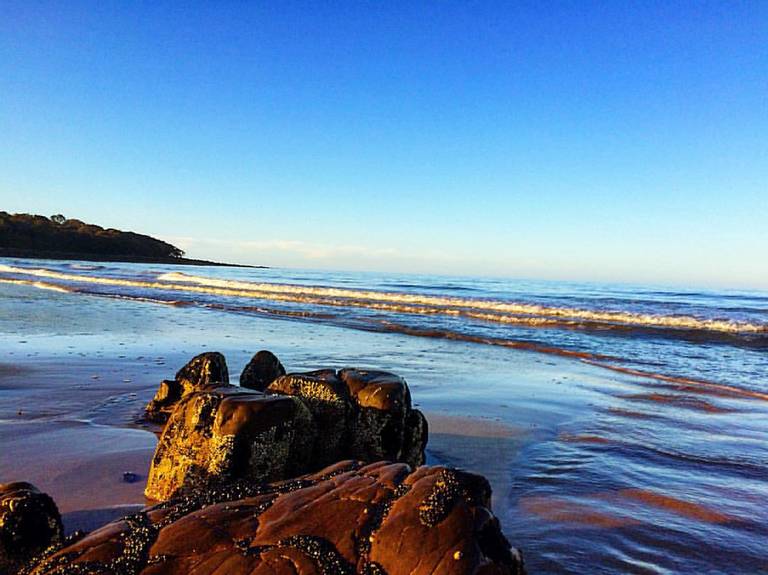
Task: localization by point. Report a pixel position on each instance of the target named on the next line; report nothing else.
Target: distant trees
(59, 234)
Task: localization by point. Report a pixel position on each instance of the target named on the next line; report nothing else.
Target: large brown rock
(328, 401)
(204, 371)
(29, 522)
(365, 415)
(228, 433)
(263, 369)
(384, 425)
(302, 423)
(377, 519)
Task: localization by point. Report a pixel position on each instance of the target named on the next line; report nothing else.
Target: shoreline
(73, 427)
(582, 461)
(12, 253)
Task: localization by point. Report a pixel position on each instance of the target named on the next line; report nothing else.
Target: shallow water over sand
(594, 470)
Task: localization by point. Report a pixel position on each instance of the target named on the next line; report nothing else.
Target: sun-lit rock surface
(301, 423)
(377, 519)
(204, 371)
(328, 401)
(365, 415)
(384, 425)
(227, 433)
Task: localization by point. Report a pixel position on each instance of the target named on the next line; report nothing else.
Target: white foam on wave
(487, 310)
(38, 284)
(518, 311)
(86, 267)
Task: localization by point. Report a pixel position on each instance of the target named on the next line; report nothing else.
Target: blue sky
(623, 141)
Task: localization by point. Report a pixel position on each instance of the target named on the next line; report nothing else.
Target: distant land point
(60, 238)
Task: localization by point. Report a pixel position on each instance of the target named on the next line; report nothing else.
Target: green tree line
(59, 234)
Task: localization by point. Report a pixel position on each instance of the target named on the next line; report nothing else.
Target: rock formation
(228, 433)
(236, 469)
(301, 423)
(263, 369)
(377, 519)
(29, 523)
(328, 401)
(383, 423)
(204, 371)
(365, 415)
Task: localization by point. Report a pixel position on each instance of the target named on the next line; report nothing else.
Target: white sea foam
(38, 284)
(518, 310)
(486, 310)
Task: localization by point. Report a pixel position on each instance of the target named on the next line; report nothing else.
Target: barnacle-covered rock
(228, 433)
(381, 418)
(263, 369)
(303, 422)
(375, 519)
(327, 399)
(29, 522)
(204, 371)
(415, 438)
(361, 414)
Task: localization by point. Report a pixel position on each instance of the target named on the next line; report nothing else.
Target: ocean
(641, 412)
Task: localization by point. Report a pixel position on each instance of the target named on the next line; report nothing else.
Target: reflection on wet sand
(561, 510)
(672, 504)
(622, 506)
(678, 401)
(583, 438)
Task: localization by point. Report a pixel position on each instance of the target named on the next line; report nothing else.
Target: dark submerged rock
(263, 369)
(348, 518)
(130, 477)
(29, 523)
(207, 370)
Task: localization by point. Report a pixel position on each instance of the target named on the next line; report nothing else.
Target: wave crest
(506, 312)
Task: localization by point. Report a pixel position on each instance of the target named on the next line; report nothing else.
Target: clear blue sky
(611, 141)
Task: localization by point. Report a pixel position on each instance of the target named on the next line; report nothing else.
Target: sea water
(646, 406)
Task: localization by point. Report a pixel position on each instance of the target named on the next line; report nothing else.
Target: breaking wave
(488, 310)
(38, 284)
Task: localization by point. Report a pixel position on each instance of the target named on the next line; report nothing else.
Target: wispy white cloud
(311, 251)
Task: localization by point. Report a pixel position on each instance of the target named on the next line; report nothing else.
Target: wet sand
(484, 446)
(71, 429)
(67, 427)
